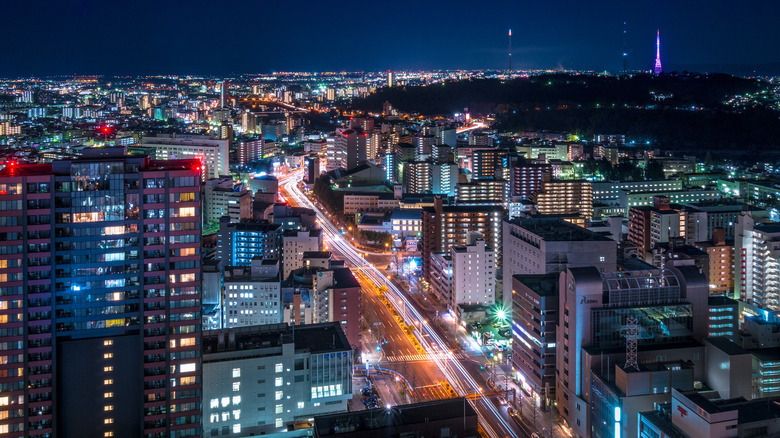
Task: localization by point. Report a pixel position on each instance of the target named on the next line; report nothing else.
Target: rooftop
(557, 230)
(315, 338)
(544, 285)
(726, 346)
(404, 415)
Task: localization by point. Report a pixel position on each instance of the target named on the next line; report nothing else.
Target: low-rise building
(261, 379)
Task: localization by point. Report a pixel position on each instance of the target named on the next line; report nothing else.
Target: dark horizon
(87, 37)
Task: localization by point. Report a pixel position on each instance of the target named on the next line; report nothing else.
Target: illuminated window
(236, 386)
(236, 399)
(108, 434)
(4, 401)
(279, 409)
(108, 394)
(108, 421)
(214, 403)
(187, 278)
(278, 422)
(236, 372)
(186, 211)
(225, 401)
(108, 382)
(108, 355)
(187, 367)
(279, 368)
(108, 407)
(186, 252)
(279, 395)
(300, 405)
(279, 381)
(236, 428)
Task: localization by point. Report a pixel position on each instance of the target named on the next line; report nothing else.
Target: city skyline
(179, 38)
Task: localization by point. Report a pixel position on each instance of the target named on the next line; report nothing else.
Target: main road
(466, 380)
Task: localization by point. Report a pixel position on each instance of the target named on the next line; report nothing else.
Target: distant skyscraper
(390, 79)
(658, 70)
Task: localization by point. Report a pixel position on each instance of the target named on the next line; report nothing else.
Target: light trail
(460, 379)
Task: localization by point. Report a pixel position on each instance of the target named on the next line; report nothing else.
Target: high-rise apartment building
(238, 243)
(311, 168)
(757, 263)
(473, 273)
(445, 226)
(417, 177)
(526, 179)
(565, 197)
(481, 192)
(100, 297)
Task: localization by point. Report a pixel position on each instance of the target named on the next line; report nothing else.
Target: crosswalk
(420, 357)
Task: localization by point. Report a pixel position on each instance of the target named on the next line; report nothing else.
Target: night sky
(49, 37)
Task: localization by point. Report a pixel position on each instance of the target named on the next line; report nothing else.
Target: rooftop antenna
(510, 50)
(632, 334)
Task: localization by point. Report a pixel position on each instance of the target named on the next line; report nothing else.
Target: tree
(654, 170)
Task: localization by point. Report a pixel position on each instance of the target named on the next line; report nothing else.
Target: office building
(445, 226)
(212, 152)
(264, 379)
(348, 149)
(252, 294)
(608, 192)
(630, 199)
(294, 244)
(551, 245)
(694, 415)
(311, 168)
(534, 320)
(116, 240)
(565, 197)
(223, 197)
(406, 222)
(596, 311)
(238, 243)
(473, 273)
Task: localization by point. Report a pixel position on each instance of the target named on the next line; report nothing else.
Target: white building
(213, 152)
(294, 244)
(222, 197)
(757, 254)
(260, 380)
(253, 294)
(547, 245)
(473, 274)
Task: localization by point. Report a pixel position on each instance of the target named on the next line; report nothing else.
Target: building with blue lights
(100, 297)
